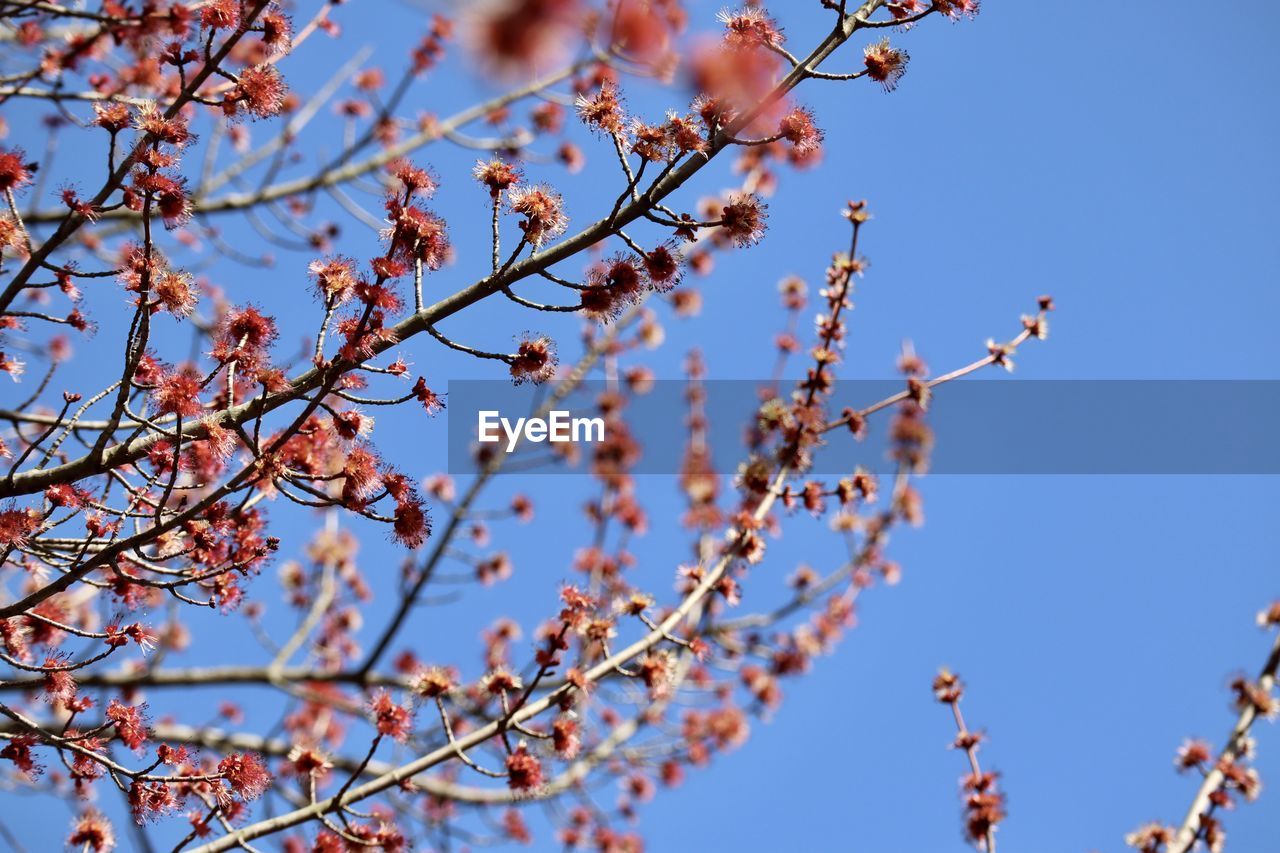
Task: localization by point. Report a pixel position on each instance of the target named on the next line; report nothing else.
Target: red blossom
(390, 719)
(534, 360)
(18, 750)
(178, 393)
(543, 212)
(151, 800)
(245, 774)
(885, 64)
(129, 723)
(92, 831)
(524, 772)
(15, 171)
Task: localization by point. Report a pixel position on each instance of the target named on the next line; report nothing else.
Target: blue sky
(1122, 161)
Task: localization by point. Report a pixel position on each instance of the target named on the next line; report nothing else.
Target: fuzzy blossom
(885, 64)
(17, 525)
(175, 292)
(1193, 755)
(534, 360)
(15, 172)
(178, 393)
(411, 526)
(18, 751)
(524, 771)
(603, 110)
(244, 336)
(335, 278)
(904, 9)
(543, 212)
(956, 9)
(112, 117)
(246, 774)
(433, 681)
(798, 128)
(12, 366)
(496, 175)
(416, 235)
(220, 14)
(151, 800)
(260, 91)
(663, 268)
(129, 723)
(391, 720)
(429, 399)
(743, 218)
(750, 27)
(415, 180)
(92, 832)
(1150, 838)
(565, 739)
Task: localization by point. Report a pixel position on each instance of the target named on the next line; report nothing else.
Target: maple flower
(497, 175)
(12, 366)
(433, 681)
(564, 737)
(662, 268)
(261, 90)
(1193, 754)
(603, 110)
(246, 774)
(59, 684)
(415, 180)
(1150, 838)
(743, 219)
(244, 336)
(411, 525)
(15, 172)
(534, 360)
(543, 212)
(18, 750)
(885, 64)
(277, 30)
(956, 9)
(750, 28)
(178, 393)
(175, 292)
(798, 128)
(92, 831)
(524, 771)
(129, 723)
(334, 276)
(392, 720)
(113, 117)
(429, 399)
(150, 800)
(220, 14)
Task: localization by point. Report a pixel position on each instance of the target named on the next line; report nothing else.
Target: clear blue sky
(1120, 158)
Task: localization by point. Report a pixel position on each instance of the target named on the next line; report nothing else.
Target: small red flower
(543, 212)
(15, 172)
(92, 831)
(129, 723)
(743, 219)
(524, 772)
(246, 774)
(885, 64)
(178, 393)
(497, 175)
(429, 399)
(391, 720)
